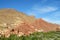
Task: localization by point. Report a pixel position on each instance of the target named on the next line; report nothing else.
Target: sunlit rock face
(11, 17)
(45, 26)
(14, 22)
(25, 28)
(8, 17)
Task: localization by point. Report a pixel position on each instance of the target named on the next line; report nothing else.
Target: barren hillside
(21, 24)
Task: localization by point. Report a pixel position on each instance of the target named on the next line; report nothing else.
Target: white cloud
(35, 10)
(53, 17)
(56, 14)
(52, 21)
(42, 10)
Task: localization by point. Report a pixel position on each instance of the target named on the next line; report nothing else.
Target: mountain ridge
(21, 24)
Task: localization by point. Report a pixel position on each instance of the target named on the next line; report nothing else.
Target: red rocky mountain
(14, 22)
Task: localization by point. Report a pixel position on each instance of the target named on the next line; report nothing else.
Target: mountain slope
(14, 22)
(41, 24)
(11, 17)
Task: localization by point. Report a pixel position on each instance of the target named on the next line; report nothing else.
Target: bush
(35, 36)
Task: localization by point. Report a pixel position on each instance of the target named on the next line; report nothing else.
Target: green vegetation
(35, 36)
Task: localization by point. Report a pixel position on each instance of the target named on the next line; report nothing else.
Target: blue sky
(49, 10)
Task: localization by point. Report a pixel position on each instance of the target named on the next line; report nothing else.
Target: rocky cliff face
(21, 24)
